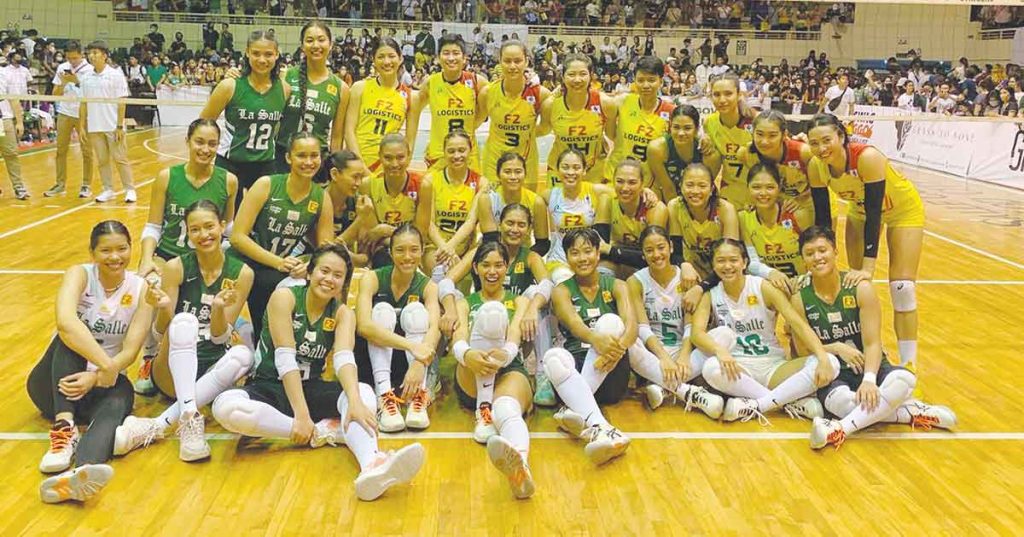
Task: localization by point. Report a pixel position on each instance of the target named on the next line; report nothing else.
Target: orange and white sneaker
(416, 417)
(825, 432)
(389, 413)
(484, 428)
(510, 461)
(144, 384)
(605, 443)
(79, 484)
(391, 468)
(63, 441)
(927, 416)
(327, 432)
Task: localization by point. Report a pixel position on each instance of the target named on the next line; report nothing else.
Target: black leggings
(103, 408)
(265, 280)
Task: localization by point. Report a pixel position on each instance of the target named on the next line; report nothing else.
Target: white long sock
(799, 385)
(238, 413)
(184, 366)
(508, 420)
(361, 442)
(484, 390)
(860, 418)
(647, 365)
(231, 367)
(579, 397)
(908, 351)
(380, 362)
(744, 386)
(590, 374)
(477, 341)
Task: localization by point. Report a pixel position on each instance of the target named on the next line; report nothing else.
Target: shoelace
(836, 437)
(391, 400)
(189, 430)
(696, 396)
(60, 438)
(924, 421)
(485, 413)
(327, 429)
(419, 400)
(144, 370)
(750, 412)
(796, 412)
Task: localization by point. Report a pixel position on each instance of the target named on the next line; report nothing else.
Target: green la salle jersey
(181, 193)
(589, 311)
(476, 300)
(322, 101)
(252, 121)
(196, 297)
(838, 322)
(314, 340)
(519, 275)
(282, 223)
(384, 294)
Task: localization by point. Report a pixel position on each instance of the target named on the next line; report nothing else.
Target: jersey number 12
(259, 136)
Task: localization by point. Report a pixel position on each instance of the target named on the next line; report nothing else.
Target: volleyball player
(878, 196)
(253, 106)
(642, 116)
(277, 213)
(745, 360)
(201, 295)
(848, 320)
(698, 218)
(353, 212)
(579, 117)
(770, 231)
(288, 396)
(394, 194)
(397, 313)
(728, 129)
(380, 106)
(102, 321)
(451, 94)
(513, 107)
(670, 154)
(511, 174)
(771, 143)
(628, 216)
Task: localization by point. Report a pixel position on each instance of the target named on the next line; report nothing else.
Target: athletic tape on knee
(284, 361)
(152, 231)
(898, 386)
(343, 358)
(610, 324)
(904, 295)
(559, 365)
(415, 319)
(383, 315)
(491, 321)
(505, 408)
(841, 401)
(183, 332)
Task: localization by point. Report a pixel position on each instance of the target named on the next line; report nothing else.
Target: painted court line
(978, 251)
(72, 210)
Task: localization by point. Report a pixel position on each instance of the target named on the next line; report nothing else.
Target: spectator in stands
(156, 38)
(721, 49)
(720, 67)
(179, 49)
(839, 99)
(155, 73)
(910, 100)
(227, 40)
(943, 103)
(705, 50)
(135, 73)
(13, 129)
(426, 48)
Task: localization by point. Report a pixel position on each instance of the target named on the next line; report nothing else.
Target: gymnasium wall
(941, 32)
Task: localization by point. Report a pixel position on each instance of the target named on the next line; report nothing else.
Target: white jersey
(750, 318)
(108, 317)
(568, 214)
(664, 307)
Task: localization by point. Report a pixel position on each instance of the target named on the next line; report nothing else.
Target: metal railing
(1002, 33)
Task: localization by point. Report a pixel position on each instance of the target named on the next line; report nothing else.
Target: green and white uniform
(589, 311)
(757, 348)
(196, 297)
(476, 300)
(321, 104)
(252, 121)
(399, 361)
(282, 223)
(180, 194)
(314, 341)
(519, 276)
(664, 308)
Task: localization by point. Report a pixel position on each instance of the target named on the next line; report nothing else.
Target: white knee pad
(723, 336)
(607, 271)
(183, 332)
(812, 363)
(234, 365)
(560, 274)
(505, 408)
(383, 315)
(610, 324)
(904, 295)
(898, 386)
(491, 321)
(559, 365)
(415, 319)
(366, 395)
(235, 412)
(841, 401)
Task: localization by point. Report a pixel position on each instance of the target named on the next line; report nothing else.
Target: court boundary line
(978, 251)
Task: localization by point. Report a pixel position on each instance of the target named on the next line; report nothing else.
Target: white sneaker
(327, 432)
(806, 408)
(389, 414)
(743, 409)
(130, 196)
(570, 422)
(192, 439)
(63, 441)
(416, 417)
(391, 468)
(654, 396)
(711, 404)
(79, 484)
(85, 192)
(545, 395)
(105, 196)
(135, 433)
(927, 416)
(825, 432)
(510, 461)
(605, 443)
(484, 428)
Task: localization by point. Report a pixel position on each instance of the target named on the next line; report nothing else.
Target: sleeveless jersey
(792, 170)
(321, 105)
(697, 236)
(589, 311)
(568, 214)
(108, 318)
(778, 245)
(196, 297)
(384, 294)
(838, 322)
(252, 122)
(750, 318)
(452, 108)
(180, 194)
(513, 121)
(314, 340)
(344, 218)
(475, 300)
(452, 202)
(900, 193)
(519, 275)
(381, 111)
(664, 307)
(634, 132)
(626, 228)
(527, 199)
(728, 141)
(675, 165)
(399, 209)
(282, 223)
(582, 130)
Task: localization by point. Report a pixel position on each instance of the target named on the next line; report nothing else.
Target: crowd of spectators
(998, 17)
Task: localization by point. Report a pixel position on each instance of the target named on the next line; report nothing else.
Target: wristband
(284, 361)
(341, 359)
(459, 349)
(869, 377)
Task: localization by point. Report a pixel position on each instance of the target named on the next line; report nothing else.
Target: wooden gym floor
(683, 474)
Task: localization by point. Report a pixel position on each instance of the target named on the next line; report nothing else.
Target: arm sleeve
(677, 250)
(605, 231)
(490, 236)
(822, 206)
(542, 246)
(756, 266)
(626, 256)
(874, 193)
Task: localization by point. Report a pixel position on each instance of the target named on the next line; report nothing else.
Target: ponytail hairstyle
(340, 159)
(771, 116)
(571, 151)
(513, 207)
(263, 35)
(654, 230)
(304, 71)
(689, 111)
(506, 157)
(481, 253)
(725, 241)
(108, 227)
(585, 60)
(770, 168)
(203, 205)
(406, 228)
(697, 167)
(201, 123)
(341, 251)
(828, 120)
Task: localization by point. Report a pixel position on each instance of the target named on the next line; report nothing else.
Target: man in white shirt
(703, 72)
(104, 122)
(17, 74)
(13, 128)
(720, 67)
(839, 99)
(66, 82)
(943, 103)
